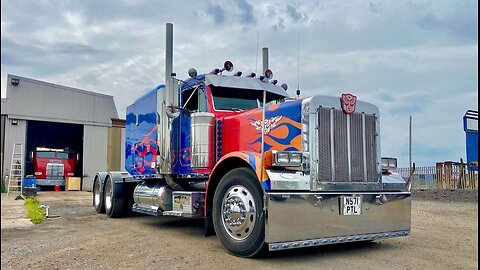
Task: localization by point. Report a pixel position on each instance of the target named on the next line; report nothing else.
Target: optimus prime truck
(51, 165)
(265, 172)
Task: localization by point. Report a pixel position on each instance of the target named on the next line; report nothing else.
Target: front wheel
(238, 216)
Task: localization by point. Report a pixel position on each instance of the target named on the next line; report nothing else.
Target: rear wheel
(114, 202)
(98, 198)
(238, 216)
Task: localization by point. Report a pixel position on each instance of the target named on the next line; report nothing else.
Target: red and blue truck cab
(265, 171)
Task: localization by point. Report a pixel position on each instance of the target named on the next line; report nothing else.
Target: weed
(34, 212)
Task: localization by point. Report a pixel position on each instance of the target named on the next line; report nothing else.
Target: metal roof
(38, 100)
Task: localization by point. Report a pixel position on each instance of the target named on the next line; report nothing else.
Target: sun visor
(244, 83)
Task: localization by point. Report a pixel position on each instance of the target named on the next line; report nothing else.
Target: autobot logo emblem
(269, 124)
(349, 102)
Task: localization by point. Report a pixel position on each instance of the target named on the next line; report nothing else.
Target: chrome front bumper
(50, 182)
(307, 219)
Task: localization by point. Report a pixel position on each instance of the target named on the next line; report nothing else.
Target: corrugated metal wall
(2, 145)
(37, 100)
(95, 140)
(13, 134)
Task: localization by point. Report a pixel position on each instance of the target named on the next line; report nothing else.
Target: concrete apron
(13, 213)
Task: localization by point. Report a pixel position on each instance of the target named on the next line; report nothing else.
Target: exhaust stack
(167, 106)
(265, 59)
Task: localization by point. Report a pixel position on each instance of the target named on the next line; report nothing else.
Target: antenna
(298, 65)
(256, 58)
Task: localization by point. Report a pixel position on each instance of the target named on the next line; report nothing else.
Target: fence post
(439, 177)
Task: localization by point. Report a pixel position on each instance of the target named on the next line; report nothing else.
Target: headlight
(296, 158)
(282, 158)
(287, 159)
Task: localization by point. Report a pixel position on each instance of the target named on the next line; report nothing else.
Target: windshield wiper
(236, 109)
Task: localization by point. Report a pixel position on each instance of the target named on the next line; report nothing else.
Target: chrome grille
(55, 170)
(371, 148)
(352, 157)
(356, 135)
(340, 146)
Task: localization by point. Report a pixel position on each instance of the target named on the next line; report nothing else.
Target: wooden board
(73, 183)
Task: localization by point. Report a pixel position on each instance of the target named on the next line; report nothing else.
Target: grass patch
(35, 213)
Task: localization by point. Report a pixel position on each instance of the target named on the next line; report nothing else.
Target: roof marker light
(274, 82)
(192, 73)
(284, 86)
(237, 74)
(252, 75)
(268, 74)
(215, 71)
(228, 66)
(262, 78)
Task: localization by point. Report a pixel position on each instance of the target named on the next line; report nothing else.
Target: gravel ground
(444, 236)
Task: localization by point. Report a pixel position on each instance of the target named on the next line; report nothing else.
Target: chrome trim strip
(349, 150)
(340, 193)
(364, 141)
(332, 143)
(335, 240)
(288, 180)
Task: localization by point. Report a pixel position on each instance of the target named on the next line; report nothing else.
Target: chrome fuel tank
(153, 196)
(203, 131)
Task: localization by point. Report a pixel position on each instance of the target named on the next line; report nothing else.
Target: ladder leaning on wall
(16, 170)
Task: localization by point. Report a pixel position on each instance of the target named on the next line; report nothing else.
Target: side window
(202, 100)
(195, 99)
(189, 101)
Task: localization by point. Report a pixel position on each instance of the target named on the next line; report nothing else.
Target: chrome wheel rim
(238, 212)
(108, 194)
(96, 193)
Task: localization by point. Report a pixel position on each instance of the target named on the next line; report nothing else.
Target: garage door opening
(53, 135)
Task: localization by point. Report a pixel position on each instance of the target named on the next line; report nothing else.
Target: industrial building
(41, 114)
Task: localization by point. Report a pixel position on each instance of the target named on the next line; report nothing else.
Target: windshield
(229, 99)
(45, 154)
(225, 98)
(62, 155)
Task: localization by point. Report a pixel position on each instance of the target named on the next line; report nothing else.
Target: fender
(225, 164)
(254, 160)
(120, 179)
(123, 183)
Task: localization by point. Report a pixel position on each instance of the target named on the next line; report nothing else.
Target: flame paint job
(141, 135)
(255, 162)
(241, 134)
(282, 133)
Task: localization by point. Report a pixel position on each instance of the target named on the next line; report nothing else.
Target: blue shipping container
(470, 126)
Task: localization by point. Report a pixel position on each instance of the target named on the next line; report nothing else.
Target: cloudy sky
(417, 58)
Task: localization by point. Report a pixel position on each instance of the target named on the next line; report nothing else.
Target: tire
(114, 203)
(240, 233)
(98, 198)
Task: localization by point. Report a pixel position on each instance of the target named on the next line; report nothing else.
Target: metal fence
(445, 175)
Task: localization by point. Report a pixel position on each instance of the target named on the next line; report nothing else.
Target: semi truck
(51, 166)
(265, 171)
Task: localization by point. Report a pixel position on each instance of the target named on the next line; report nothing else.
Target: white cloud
(416, 58)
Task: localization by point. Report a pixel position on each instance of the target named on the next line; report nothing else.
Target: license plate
(351, 205)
